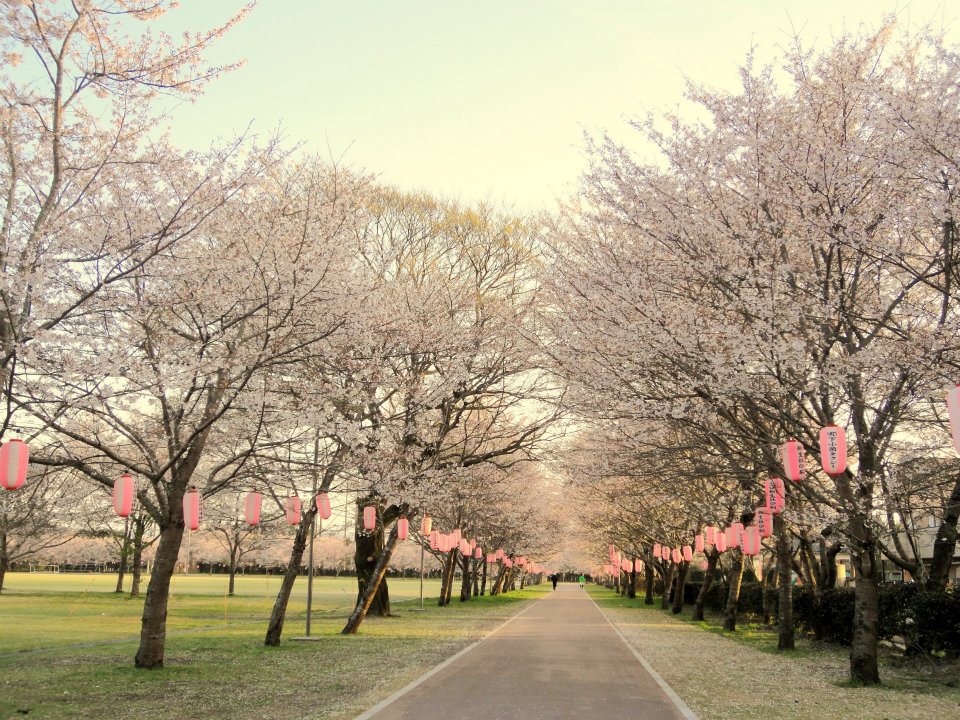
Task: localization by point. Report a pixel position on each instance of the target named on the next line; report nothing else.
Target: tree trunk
(453, 576)
(648, 577)
(864, 666)
(4, 560)
(233, 572)
(770, 585)
(153, 630)
(632, 592)
(124, 555)
(279, 614)
(681, 583)
(369, 548)
(713, 557)
(667, 583)
(498, 583)
(475, 574)
(785, 632)
(372, 588)
(483, 582)
(139, 529)
(946, 542)
(465, 579)
(616, 583)
(446, 577)
(733, 596)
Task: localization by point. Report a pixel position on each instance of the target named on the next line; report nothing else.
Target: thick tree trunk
(498, 583)
(465, 580)
(279, 614)
(667, 583)
(483, 582)
(632, 592)
(153, 626)
(681, 583)
(864, 667)
(945, 544)
(369, 548)
(616, 583)
(475, 574)
(648, 582)
(785, 632)
(372, 588)
(4, 562)
(733, 596)
(770, 588)
(713, 557)
(135, 566)
(233, 573)
(446, 577)
(453, 577)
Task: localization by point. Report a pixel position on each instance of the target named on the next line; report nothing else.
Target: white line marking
(680, 704)
(453, 658)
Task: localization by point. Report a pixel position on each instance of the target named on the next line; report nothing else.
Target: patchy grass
(734, 675)
(76, 650)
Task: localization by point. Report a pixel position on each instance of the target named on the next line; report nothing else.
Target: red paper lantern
(123, 491)
(953, 414)
(191, 509)
(369, 517)
(833, 450)
(687, 553)
(698, 543)
(426, 525)
(251, 508)
(403, 528)
(710, 534)
(794, 465)
(14, 458)
(291, 506)
(323, 506)
(720, 542)
(776, 495)
(434, 539)
(764, 523)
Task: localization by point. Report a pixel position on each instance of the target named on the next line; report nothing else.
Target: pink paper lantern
(434, 539)
(833, 450)
(457, 536)
(711, 534)
(737, 533)
(751, 541)
(477, 553)
(764, 523)
(14, 458)
(403, 528)
(677, 556)
(704, 565)
(252, 505)
(323, 506)
(776, 495)
(657, 547)
(291, 507)
(687, 553)
(720, 542)
(499, 554)
(491, 558)
(612, 550)
(191, 509)
(628, 566)
(369, 517)
(665, 553)
(953, 414)
(426, 525)
(464, 548)
(730, 536)
(793, 460)
(698, 543)
(123, 491)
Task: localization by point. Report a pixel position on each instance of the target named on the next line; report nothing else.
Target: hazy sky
(488, 100)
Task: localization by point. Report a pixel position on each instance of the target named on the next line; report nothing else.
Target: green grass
(69, 654)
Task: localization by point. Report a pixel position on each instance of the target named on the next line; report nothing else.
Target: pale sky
(488, 100)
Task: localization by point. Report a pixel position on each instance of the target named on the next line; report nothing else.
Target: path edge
(369, 713)
(678, 702)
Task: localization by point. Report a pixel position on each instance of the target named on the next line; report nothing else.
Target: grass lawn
(67, 646)
(731, 676)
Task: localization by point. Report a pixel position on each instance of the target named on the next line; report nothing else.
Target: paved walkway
(559, 658)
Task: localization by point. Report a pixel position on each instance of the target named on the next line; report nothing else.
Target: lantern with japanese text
(291, 507)
(369, 517)
(14, 459)
(477, 552)
(434, 539)
(656, 549)
(776, 495)
(953, 414)
(677, 555)
(687, 553)
(464, 548)
(252, 505)
(764, 522)
(191, 509)
(698, 543)
(751, 541)
(710, 534)
(794, 466)
(737, 534)
(403, 528)
(324, 510)
(833, 450)
(720, 542)
(457, 536)
(628, 566)
(665, 553)
(426, 525)
(123, 492)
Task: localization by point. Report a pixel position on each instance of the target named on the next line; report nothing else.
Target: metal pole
(421, 574)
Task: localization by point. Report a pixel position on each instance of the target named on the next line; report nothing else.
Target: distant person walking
(582, 580)
(553, 579)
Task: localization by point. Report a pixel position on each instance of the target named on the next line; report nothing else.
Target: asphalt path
(559, 658)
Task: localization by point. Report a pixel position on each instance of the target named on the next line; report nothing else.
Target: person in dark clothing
(553, 579)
